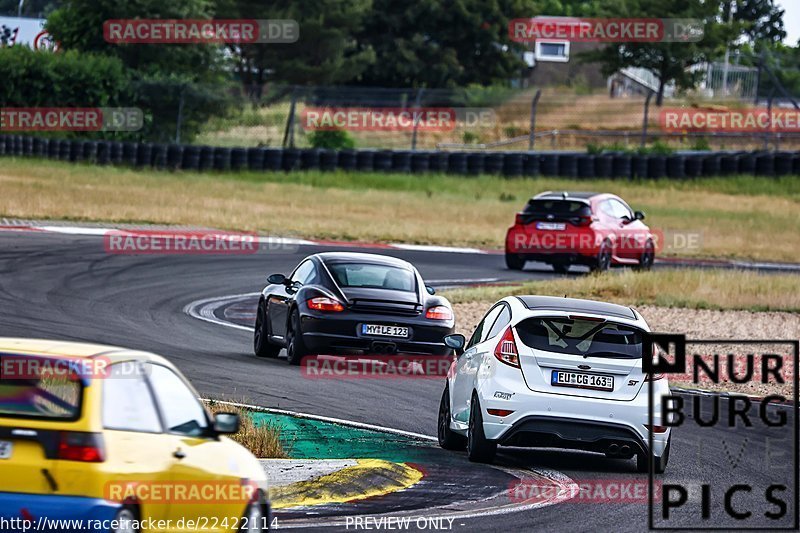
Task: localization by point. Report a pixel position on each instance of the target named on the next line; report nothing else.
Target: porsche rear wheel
(295, 348)
(261, 345)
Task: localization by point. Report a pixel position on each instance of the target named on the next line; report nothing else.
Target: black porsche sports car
(351, 303)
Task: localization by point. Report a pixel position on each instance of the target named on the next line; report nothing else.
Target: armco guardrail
(567, 164)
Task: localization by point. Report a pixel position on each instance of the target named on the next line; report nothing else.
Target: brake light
(323, 303)
(654, 377)
(499, 412)
(506, 350)
(657, 429)
(519, 219)
(439, 312)
(84, 447)
(584, 221)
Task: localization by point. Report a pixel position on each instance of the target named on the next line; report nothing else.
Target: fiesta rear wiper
(610, 355)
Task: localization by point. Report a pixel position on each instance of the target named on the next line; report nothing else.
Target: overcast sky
(791, 20)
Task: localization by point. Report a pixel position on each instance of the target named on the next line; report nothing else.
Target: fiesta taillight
(439, 312)
(506, 350)
(657, 429)
(323, 303)
(83, 447)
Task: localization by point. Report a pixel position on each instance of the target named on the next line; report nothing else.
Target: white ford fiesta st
(553, 372)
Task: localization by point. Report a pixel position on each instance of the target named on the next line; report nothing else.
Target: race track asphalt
(68, 287)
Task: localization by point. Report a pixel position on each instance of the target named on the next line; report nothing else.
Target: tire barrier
(238, 159)
(175, 156)
(548, 165)
(656, 166)
(457, 163)
(222, 158)
(274, 158)
(585, 165)
(693, 166)
(493, 164)
(382, 160)
(783, 163)
(765, 164)
(621, 166)
(90, 151)
(328, 160)
(603, 166)
(401, 161)
(159, 156)
(568, 165)
(729, 164)
(747, 163)
(476, 163)
(639, 166)
(513, 164)
(290, 159)
(712, 165)
(347, 160)
(420, 161)
(309, 159)
(676, 166)
(510, 164)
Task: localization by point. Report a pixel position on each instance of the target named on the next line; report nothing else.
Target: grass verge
(744, 216)
(681, 288)
(263, 440)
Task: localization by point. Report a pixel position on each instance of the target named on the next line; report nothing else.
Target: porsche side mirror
(276, 279)
(430, 290)
(456, 341)
(638, 215)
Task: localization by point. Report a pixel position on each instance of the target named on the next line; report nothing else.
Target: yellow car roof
(52, 348)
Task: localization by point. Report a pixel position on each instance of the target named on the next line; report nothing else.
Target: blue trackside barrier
(564, 164)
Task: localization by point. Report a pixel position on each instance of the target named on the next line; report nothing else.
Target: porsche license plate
(384, 331)
(581, 380)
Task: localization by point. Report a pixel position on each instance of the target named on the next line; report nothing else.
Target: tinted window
(127, 402)
(500, 324)
(304, 273)
(373, 276)
(564, 208)
(183, 412)
(581, 337)
(483, 326)
(32, 387)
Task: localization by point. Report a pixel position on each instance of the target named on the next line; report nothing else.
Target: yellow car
(117, 440)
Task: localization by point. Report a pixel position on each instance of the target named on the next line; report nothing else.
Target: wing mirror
(638, 215)
(226, 423)
(430, 290)
(456, 341)
(276, 279)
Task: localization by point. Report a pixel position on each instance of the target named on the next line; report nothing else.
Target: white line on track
(204, 309)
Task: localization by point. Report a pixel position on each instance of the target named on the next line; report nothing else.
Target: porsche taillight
(506, 350)
(323, 303)
(439, 312)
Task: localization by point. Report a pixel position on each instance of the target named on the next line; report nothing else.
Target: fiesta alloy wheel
(479, 448)
(659, 463)
(448, 439)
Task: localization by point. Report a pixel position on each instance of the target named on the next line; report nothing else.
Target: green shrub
(331, 139)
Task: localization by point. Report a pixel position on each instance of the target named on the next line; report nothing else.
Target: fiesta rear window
(589, 338)
(32, 389)
(560, 208)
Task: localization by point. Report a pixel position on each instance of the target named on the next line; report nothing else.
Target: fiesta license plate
(384, 331)
(557, 226)
(581, 380)
(5, 449)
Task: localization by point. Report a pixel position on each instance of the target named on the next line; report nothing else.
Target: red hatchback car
(579, 228)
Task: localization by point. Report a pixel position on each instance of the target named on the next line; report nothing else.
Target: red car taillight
(519, 220)
(84, 447)
(506, 350)
(584, 221)
(323, 303)
(439, 312)
(658, 429)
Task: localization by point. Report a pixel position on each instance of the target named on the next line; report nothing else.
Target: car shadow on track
(563, 460)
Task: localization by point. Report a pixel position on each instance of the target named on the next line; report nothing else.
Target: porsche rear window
(589, 338)
(373, 276)
(43, 395)
(557, 208)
